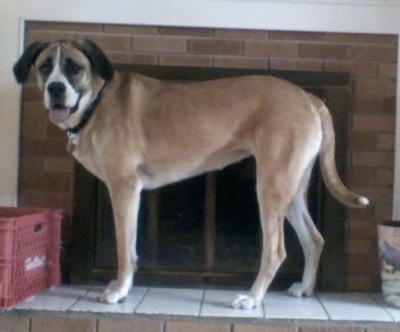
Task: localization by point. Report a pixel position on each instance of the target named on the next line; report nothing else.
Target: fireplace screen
(205, 230)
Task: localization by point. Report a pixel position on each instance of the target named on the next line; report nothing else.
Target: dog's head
(70, 74)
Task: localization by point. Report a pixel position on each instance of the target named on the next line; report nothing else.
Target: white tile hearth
(360, 307)
(89, 303)
(169, 301)
(281, 306)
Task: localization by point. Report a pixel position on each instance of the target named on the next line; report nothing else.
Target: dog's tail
(328, 165)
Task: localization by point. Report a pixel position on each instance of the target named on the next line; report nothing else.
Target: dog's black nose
(56, 89)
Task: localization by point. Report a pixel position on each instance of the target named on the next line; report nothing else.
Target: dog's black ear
(98, 59)
(22, 67)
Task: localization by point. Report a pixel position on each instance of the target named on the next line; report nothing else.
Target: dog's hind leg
(276, 185)
(309, 236)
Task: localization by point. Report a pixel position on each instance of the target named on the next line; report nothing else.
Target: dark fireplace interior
(205, 231)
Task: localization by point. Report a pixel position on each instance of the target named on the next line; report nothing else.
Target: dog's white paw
(244, 302)
(298, 289)
(114, 293)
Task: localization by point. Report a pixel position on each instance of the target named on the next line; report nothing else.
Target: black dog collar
(87, 114)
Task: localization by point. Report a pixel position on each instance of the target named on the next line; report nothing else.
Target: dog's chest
(83, 153)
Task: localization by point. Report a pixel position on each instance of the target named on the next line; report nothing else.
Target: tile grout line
(142, 299)
(381, 306)
(78, 299)
(323, 307)
(203, 297)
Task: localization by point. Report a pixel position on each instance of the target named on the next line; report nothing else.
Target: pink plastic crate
(29, 252)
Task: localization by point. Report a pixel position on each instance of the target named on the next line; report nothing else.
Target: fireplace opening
(205, 231)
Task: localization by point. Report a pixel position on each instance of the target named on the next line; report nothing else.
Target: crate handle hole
(37, 228)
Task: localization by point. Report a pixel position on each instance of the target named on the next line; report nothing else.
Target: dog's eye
(72, 68)
(46, 68)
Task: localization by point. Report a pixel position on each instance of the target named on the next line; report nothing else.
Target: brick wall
(49, 323)
(46, 171)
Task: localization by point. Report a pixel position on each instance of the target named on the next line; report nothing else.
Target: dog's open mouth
(59, 115)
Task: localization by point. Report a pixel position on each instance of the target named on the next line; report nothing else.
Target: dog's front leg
(125, 200)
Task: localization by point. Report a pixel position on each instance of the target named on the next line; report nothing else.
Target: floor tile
(57, 299)
(217, 304)
(283, 306)
(393, 312)
(168, 301)
(353, 307)
(89, 302)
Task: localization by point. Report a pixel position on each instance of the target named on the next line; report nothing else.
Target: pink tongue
(59, 115)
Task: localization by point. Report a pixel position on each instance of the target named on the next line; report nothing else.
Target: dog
(135, 132)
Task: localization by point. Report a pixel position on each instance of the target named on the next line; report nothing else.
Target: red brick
(362, 230)
(130, 29)
(370, 104)
(31, 166)
(363, 139)
(14, 323)
(185, 60)
(33, 128)
(373, 122)
(363, 266)
(51, 324)
(375, 53)
(381, 329)
(107, 43)
(358, 247)
(358, 283)
(356, 68)
(32, 25)
(197, 327)
(241, 34)
(361, 38)
(296, 64)
(387, 70)
(50, 147)
(385, 176)
(33, 110)
(390, 88)
(362, 175)
(48, 36)
(133, 58)
(377, 194)
(241, 62)
(324, 51)
(32, 93)
(59, 26)
(46, 182)
(383, 212)
(108, 325)
(365, 214)
(386, 141)
(216, 46)
(160, 44)
(48, 200)
(190, 32)
(271, 48)
(297, 35)
(53, 131)
(264, 328)
(63, 165)
(371, 87)
(330, 329)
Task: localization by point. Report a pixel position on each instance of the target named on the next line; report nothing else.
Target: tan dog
(134, 132)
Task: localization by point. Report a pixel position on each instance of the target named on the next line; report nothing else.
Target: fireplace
(205, 231)
(47, 174)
